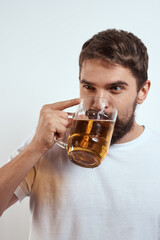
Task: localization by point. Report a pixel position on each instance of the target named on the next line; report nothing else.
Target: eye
(89, 87)
(116, 89)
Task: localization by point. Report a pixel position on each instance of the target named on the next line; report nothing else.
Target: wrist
(36, 149)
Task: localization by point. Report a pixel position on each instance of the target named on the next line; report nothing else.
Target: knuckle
(43, 109)
(45, 106)
(65, 114)
(47, 117)
(65, 123)
(63, 129)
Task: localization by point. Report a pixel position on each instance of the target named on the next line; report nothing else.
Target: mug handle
(61, 143)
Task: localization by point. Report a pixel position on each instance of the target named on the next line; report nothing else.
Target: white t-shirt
(119, 200)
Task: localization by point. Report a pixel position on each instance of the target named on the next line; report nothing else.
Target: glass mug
(91, 131)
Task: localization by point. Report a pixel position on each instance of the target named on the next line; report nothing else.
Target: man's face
(114, 83)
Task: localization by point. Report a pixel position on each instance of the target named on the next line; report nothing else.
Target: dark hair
(118, 47)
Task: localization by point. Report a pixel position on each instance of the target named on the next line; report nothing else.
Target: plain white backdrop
(40, 43)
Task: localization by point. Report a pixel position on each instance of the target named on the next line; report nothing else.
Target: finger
(64, 104)
(60, 130)
(63, 122)
(58, 113)
(70, 121)
(54, 121)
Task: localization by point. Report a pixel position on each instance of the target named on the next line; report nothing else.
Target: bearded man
(120, 199)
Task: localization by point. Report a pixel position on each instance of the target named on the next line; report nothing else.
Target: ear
(143, 92)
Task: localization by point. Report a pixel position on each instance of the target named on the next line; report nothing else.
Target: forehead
(98, 71)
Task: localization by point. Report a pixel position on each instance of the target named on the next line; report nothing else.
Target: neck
(135, 132)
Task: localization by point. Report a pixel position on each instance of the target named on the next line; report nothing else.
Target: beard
(123, 126)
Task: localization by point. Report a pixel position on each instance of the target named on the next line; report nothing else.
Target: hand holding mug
(52, 121)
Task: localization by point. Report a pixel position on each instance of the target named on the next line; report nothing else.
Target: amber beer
(89, 141)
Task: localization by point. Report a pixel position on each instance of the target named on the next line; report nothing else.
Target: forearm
(12, 174)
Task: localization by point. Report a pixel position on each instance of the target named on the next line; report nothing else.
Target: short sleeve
(24, 189)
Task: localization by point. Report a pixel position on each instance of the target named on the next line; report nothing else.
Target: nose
(100, 103)
(101, 100)
(103, 93)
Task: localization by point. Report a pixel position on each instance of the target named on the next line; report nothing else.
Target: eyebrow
(86, 82)
(119, 82)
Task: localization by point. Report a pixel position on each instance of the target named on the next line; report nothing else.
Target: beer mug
(91, 131)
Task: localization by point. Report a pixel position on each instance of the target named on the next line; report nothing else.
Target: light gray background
(39, 46)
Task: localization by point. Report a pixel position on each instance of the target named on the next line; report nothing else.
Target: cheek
(125, 109)
(125, 105)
